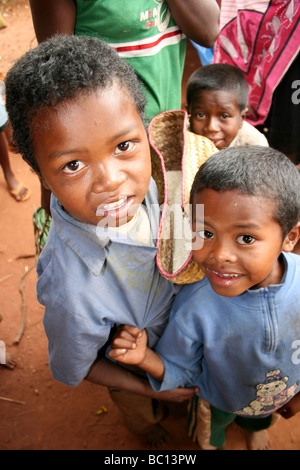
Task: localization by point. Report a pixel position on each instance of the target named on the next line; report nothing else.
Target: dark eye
(125, 147)
(200, 115)
(205, 234)
(245, 239)
(73, 166)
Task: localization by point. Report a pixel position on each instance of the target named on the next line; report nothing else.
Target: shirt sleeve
(181, 351)
(74, 324)
(73, 344)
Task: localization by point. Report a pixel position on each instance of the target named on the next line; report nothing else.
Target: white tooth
(226, 274)
(113, 205)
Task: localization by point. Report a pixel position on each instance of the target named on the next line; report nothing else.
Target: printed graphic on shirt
(2, 353)
(270, 395)
(157, 19)
(159, 16)
(127, 271)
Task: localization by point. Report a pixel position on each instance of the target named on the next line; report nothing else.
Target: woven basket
(176, 157)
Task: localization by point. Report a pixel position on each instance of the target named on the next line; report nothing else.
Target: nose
(223, 252)
(107, 177)
(212, 125)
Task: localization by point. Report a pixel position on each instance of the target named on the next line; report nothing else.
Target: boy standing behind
(217, 104)
(235, 334)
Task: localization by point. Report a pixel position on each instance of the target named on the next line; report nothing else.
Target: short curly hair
(56, 71)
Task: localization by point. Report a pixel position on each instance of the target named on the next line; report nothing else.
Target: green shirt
(144, 34)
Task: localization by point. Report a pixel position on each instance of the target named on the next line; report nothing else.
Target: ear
(291, 239)
(243, 115)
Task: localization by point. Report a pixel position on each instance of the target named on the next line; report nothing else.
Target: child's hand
(291, 408)
(129, 345)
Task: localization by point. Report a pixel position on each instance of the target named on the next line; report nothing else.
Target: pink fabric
(262, 45)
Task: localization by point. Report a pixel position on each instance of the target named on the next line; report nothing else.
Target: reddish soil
(52, 416)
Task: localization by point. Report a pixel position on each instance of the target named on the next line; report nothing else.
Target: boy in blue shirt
(235, 334)
(77, 113)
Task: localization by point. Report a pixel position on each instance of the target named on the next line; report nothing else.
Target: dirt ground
(37, 413)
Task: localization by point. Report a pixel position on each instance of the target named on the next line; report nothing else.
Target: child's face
(215, 114)
(93, 154)
(241, 241)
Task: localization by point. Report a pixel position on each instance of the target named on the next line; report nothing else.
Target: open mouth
(113, 205)
(223, 279)
(117, 211)
(226, 275)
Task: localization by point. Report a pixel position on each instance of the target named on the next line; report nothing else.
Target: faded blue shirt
(89, 284)
(243, 352)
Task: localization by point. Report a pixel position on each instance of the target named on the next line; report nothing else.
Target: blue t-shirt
(90, 283)
(242, 352)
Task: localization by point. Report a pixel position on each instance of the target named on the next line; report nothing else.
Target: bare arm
(198, 19)
(106, 373)
(52, 17)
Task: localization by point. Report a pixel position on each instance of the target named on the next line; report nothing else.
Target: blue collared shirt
(90, 283)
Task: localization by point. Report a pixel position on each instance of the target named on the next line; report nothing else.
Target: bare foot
(258, 440)
(156, 437)
(10, 362)
(18, 191)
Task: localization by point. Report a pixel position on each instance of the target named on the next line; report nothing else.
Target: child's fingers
(131, 330)
(117, 353)
(123, 343)
(126, 335)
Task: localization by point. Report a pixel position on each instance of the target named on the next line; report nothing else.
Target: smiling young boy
(77, 115)
(234, 334)
(217, 104)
